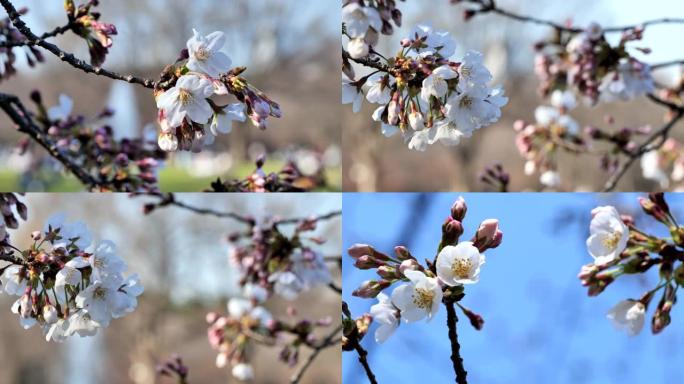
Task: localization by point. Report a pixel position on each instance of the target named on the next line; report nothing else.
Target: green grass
(171, 179)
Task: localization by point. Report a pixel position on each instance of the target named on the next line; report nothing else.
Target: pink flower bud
(407, 265)
(358, 250)
(403, 253)
(459, 209)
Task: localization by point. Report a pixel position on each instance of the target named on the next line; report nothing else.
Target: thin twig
(363, 359)
(323, 217)
(667, 64)
(456, 359)
(649, 145)
(329, 341)
(21, 117)
(10, 258)
(57, 31)
(69, 58)
(367, 62)
(490, 6)
(335, 288)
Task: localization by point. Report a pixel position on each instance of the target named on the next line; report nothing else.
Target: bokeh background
(182, 259)
(288, 47)
(540, 325)
(373, 162)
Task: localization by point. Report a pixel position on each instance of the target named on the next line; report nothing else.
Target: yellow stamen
(202, 54)
(466, 102)
(423, 298)
(461, 268)
(612, 241)
(184, 96)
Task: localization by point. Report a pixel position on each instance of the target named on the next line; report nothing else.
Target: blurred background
(540, 325)
(373, 162)
(287, 46)
(182, 259)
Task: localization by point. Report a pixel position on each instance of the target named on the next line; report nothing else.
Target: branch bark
(329, 341)
(364, 362)
(456, 359)
(69, 58)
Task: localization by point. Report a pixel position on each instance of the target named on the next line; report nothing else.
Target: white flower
(286, 284)
(76, 231)
(23, 308)
(351, 95)
(187, 98)
(469, 110)
(61, 111)
(563, 99)
(436, 84)
(50, 314)
(57, 332)
(419, 140)
(628, 315)
(357, 19)
(379, 88)
(358, 48)
(168, 142)
(128, 302)
(416, 121)
(631, 80)
(459, 264)
(255, 292)
(419, 298)
(436, 42)
(223, 121)
(68, 275)
(242, 371)
(14, 280)
(103, 261)
(384, 313)
(101, 299)
(608, 235)
(472, 71)
(651, 168)
(82, 324)
(310, 267)
(550, 179)
(205, 54)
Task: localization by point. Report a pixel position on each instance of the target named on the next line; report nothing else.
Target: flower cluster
(291, 178)
(126, 165)
(66, 285)
(554, 129)
(362, 21)
(281, 264)
(174, 367)
(425, 95)
(422, 289)
(10, 207)
(86, 24)
(188, 117)
(248, 323)
(11, 44)
(665, 164)
(586, 62)
(620, 248)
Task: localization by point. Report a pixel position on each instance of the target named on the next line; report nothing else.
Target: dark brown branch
(10, 258)
(667, 64)
(323, 217)
(490, 6)
(456, 359)
(367, 62)
(363, 354)
(655, 141)
(335, 288)
(329, 341)
(69, 58)
(25, 124)
(56, 31)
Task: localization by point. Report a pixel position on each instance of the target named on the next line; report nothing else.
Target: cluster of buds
(12, 42)
(426, 96)
(86, 23)
(586, 62)
(496, 177)
(188, 117)
(291, 178)
(665, 164)
(364, 20)
(126, 165)
(12, 210)
(278, 263)
(65, 284)
(422, 289)
(554, 130)
(247, 323)
(620, 248)
(175, 368)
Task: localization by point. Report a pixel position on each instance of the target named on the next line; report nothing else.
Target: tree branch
(329, 341)
(456, 359)
(21, 117)
(650, 144)
(363, 354)
(335, 288)
(69, 58)
(57, 31)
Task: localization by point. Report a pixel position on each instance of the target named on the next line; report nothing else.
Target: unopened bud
(475, 320)
(387, 272)
(403, 253)
(371, 288)
(459, 209)
(409, 265)
(451, 231)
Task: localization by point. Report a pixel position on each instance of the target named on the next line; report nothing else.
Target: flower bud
(488, 235)
(451, 231)
(358, 250)
(50, 314)
(403, 253)
(475, 320)
(387, 272)
(367, 262)
(407, 265)
(459, 209)
(371, 288)
(652, 209)
(36, 235)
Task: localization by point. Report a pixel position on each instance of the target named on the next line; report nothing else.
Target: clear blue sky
(541, 327)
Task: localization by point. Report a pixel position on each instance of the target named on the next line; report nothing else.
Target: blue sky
(540, 325)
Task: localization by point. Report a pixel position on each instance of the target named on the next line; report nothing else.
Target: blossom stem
(456, 358)
(363, 359)
(69, 58)
(329, 341)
